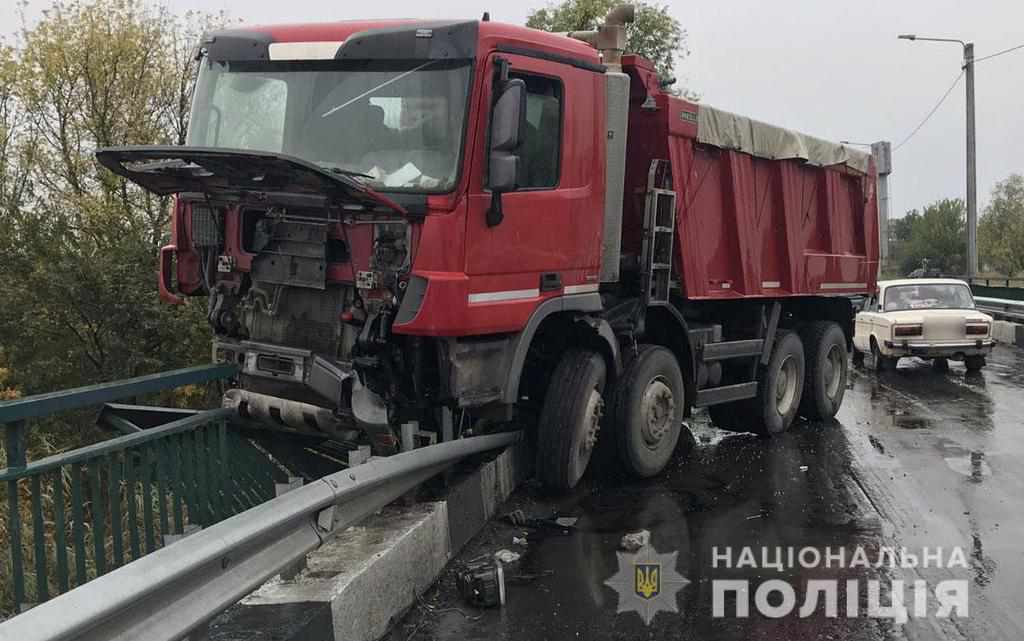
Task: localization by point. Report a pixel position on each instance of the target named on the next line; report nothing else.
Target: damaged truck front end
(299, 199)
(304, 271)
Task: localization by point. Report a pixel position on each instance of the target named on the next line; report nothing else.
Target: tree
(655, 34)
(900, 228)
(937, 235)
(78, 244)
(1001, 228)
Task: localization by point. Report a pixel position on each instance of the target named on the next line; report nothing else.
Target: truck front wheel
(570, 419)
(648, 411)
(825, 378)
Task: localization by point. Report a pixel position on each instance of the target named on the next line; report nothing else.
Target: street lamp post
(972, 166)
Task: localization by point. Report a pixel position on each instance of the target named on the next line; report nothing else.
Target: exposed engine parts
(305, 309)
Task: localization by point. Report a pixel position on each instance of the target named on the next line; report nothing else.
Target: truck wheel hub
(657, 411)
(785, 387)
(592, 425)
(834, 371)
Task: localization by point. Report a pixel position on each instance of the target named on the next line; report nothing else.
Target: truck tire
(761, 414)
(570, 419)
(974, 363)
(825, 371)
(647, 411)
(780, 386)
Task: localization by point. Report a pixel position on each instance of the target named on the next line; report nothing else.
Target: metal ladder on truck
(659, 233)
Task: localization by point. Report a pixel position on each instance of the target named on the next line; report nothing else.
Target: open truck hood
(166, 170)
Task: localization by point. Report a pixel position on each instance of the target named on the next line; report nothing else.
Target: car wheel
(940, 364)
(570, 419)
(648, 411)
(825, 377)
(974, 363)
(882, 362)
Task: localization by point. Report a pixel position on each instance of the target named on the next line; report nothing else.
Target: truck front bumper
(955, 351)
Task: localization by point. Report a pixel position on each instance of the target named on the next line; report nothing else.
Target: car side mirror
(508, 123)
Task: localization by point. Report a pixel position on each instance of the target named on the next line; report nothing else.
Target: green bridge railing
(98, 507)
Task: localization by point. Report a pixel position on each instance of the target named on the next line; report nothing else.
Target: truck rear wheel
(779, 390)
(825, 378)
(780, 386)
(570, 419)
(974, 363)
(648, 411)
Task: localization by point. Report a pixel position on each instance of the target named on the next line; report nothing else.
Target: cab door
(549, 235)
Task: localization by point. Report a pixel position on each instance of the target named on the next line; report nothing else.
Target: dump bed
(761, 211)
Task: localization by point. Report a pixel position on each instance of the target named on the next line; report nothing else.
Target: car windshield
(928, 296)
(401, 125)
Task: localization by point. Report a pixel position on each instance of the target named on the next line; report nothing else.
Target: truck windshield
(928, 296)
(401, 125)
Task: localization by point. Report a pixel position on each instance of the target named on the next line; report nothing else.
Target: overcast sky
(829, 68)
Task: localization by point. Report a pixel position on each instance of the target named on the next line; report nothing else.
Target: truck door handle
(550, 281)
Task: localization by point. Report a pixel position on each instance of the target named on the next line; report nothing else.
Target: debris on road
(519, 518)
(506, 556)
(520, 540)
(482, 584)
(803, 468)
(635, 540)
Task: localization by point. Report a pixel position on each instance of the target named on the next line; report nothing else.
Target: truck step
(726, 393)
(733, 349)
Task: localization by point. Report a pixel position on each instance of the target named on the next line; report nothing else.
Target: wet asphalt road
(916, 458)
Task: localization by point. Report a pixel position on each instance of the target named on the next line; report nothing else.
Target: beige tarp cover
(730, 131)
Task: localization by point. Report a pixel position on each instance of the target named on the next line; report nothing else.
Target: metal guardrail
(1001, 307)
(999, 286)
(123, 495)
(172, 591)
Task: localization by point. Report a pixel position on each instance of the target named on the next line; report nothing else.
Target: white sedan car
(931, 318)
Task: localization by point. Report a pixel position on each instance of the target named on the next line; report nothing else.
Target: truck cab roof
(402, 38)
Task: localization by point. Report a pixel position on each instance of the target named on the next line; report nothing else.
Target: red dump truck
(433, 228)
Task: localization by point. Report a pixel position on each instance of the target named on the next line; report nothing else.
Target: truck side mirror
(508, 123)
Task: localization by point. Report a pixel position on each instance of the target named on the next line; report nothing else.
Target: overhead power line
(999, 53)
(956, 81)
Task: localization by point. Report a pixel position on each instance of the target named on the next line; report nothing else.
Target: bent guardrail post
(168, 593)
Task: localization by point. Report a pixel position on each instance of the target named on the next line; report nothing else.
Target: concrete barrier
(1009, 333)
(362, 580)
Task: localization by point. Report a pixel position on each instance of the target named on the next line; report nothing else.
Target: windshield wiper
(377, 88)
(346, 172)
